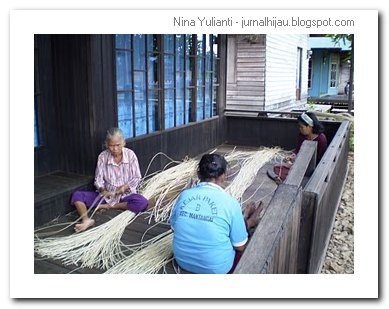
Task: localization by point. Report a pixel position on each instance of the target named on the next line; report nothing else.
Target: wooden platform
(52, 194)
(133, 234)
(141, 227)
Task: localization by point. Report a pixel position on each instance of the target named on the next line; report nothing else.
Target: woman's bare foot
(249, 210)
(274, 176)
(85, 224)
(253, 219)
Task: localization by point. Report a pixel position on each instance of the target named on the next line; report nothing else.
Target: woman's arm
(238, 232)
(99, 173)
(240, 248)
(122, 189)
(134, 174)
(321, 146)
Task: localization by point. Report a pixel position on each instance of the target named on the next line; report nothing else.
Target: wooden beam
(324, 190)
(308, 209)
(304, 164)
(262, 246)
(324, 171)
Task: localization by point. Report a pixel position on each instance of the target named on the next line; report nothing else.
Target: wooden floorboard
(141, 229)
(47, 186)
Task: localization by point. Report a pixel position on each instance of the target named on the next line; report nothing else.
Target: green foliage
(346, 38)
(310, 105)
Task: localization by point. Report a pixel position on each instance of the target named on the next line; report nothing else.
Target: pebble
(340, 253)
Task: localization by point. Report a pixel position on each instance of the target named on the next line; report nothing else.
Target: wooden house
(266, 72)
(329, 67)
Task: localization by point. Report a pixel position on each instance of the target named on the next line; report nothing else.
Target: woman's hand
(107, 193)
(121, 190)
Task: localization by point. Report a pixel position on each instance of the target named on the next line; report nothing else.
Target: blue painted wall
(320, 73)
(321, 66)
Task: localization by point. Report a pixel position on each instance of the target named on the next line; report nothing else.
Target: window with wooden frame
(170, 93)
(334, 71)
(215, 64)
(124, 84)
(37, 94)
(181, 108)
(164, 81)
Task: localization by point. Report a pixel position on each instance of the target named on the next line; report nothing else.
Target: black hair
(317, 125)
(211, 166)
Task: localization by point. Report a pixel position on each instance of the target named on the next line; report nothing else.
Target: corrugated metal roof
(327, 42)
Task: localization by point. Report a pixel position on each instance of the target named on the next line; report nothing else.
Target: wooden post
(351, 85)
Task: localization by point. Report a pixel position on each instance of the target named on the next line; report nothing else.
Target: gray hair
(114, 132)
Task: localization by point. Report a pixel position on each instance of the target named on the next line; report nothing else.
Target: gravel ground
(340, 253)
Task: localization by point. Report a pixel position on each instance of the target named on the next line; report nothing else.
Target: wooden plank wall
(245, 73)
(84, 75)
(45, 156)
(80, 105)
(102, 85)
(77, 103)
(321, 198)
(269, 132)
(70, 64)
(189, 140)
(281, 65)
(273, 247)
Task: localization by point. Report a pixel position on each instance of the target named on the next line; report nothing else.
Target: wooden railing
(273, 248)
(304, 165)
(274, 244)
(322, 196)
(336, 104)
(294, 232)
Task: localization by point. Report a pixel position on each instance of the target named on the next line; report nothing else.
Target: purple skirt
(135, 202)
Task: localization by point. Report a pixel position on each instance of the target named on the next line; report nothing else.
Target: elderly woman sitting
(116, 179)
